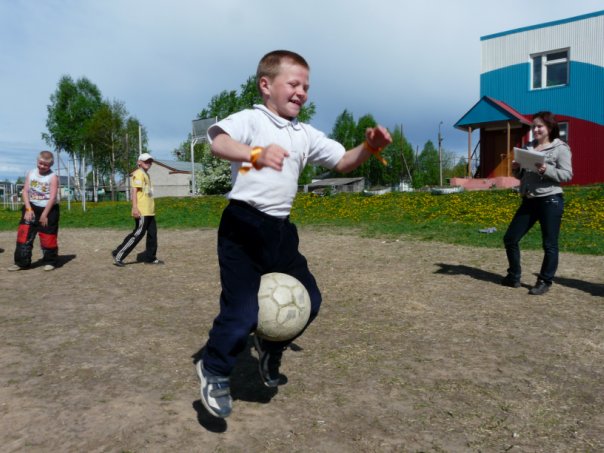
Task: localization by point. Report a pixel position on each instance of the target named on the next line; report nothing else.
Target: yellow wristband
(254, 156)
(376, 152)
(28, 209)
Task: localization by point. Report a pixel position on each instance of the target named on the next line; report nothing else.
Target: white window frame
(544, 67)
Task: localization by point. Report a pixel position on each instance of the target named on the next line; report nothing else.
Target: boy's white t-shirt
(39, 187)
(268, 190)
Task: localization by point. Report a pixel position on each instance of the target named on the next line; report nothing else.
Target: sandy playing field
(417, 349)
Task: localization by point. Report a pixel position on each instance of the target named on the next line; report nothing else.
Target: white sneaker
(14, 268)
(49, 267)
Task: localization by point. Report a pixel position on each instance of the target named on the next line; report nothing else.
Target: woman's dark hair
(551, 123)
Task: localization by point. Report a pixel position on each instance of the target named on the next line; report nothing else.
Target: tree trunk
(76, 177)
(95, 188)
(112, 175)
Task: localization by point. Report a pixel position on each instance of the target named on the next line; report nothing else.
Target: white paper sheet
(527, 158)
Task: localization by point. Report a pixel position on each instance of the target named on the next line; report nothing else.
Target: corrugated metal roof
(178, 165)
(489, 110)
(546, 24)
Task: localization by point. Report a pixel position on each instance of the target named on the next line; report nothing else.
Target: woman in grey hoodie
(542, 201)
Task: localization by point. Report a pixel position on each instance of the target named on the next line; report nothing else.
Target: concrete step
(499, 182)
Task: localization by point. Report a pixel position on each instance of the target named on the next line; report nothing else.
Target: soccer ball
(283, 307)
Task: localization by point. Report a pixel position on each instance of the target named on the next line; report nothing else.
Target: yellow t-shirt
(144, 196)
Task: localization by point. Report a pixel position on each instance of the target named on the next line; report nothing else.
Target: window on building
(563, 131)
(550, 69)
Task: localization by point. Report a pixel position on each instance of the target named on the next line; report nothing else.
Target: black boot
(510, 281)
(540, 288)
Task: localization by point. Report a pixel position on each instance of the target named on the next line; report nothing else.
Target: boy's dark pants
(142, 225)
(48, 237)
(548, 211)
(250, 244)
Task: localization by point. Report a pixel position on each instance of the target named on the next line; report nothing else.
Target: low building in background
(171, 178)
(335, 185)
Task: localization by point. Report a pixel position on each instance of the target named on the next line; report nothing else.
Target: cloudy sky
(414, 63)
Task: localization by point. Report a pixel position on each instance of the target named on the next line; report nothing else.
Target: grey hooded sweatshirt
(558, 169)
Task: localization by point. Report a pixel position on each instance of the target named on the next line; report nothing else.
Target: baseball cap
(145, 157)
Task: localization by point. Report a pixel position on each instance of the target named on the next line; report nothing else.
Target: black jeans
(251, 243)
(142, 225)
(548, 211)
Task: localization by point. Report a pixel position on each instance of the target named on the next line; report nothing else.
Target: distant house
(335, 185)
(556, 66)
(171, 178)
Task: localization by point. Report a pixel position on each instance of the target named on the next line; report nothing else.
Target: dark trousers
(251, 243)
(142, 225)
(548, 212)
(48, 237)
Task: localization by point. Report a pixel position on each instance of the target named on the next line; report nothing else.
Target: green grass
(454, 218)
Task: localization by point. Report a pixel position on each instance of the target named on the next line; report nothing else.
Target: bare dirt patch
(417, 349)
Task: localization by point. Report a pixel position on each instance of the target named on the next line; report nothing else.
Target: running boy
(143, 211)
(268, 149)
(39, 214)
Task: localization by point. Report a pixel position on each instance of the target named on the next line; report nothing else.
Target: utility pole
(440, 154)
(404, 159)
(140, 141)
(128, 165)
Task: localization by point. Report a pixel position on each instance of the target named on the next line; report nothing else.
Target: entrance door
(493, 151)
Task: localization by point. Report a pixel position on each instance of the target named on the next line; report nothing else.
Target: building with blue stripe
(556, 66)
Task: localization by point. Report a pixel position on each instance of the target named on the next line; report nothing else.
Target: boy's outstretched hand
(378, 137)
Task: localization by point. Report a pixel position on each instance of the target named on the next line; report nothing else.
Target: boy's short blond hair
(47, 157)
(270, 64)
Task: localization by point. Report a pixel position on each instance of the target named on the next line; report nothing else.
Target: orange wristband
(254, 156)
(28, 209)
(376, 152)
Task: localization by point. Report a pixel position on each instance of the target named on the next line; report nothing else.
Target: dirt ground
(417, 349)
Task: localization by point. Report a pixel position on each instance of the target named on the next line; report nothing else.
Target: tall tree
(71, 107)
(372, 169)
(400, 159)
(345, 130)
(107, 131)
(427, 173)
(350, 134)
